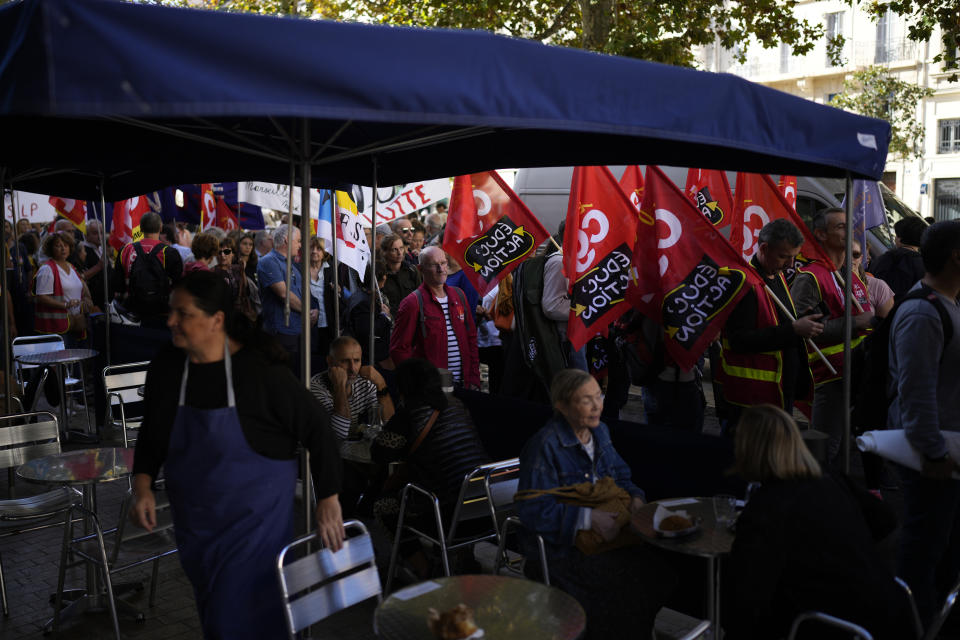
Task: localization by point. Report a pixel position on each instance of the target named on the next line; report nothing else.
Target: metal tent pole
(286, 297)
(334, 229)
(309, 500)
(847, 327)
(7, 364)
(374, 290)
(106, 270)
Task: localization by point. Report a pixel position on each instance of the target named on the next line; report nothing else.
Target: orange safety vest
(49, 319)
(832, 295)
(749, 379)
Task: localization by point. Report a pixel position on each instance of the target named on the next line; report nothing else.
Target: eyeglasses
(226, 252)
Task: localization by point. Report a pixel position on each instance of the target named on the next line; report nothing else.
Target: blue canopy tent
(105, 99)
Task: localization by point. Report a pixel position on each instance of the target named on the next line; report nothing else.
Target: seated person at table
(348, 390)
(805, 542)
(435, 436)
(620, 582)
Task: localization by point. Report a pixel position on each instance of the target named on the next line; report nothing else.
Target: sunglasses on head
(226, 252)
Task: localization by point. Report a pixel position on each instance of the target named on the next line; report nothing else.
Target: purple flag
(868, 210)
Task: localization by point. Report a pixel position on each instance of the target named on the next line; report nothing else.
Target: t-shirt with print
(453, 347)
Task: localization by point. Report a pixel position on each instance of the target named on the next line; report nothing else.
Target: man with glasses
(434, 322)
(402, 278)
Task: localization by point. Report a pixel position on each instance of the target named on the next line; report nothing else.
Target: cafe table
(60, 359)
(710, 541)
(505, 608)
(85, 469)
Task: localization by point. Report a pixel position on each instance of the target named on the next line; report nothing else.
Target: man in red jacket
(435, 323)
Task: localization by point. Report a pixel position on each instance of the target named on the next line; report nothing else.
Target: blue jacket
(554, 457)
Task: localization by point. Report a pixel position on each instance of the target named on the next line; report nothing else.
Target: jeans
(929, 555)
(828, 418)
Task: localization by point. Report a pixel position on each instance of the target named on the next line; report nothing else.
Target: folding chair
(322, 582)
(123, 384)
(669, 624)
(831, 621)
(116, 550)
(944, 613)
(22, 441)
(486, 494)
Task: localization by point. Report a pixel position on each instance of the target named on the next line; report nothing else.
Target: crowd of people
(223, 296)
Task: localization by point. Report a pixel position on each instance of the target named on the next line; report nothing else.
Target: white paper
(677, 502)
(662, 513)
(416, 590)
(892, 444)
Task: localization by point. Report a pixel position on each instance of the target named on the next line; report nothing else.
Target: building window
(785, 52)
(834, 23)
(830, 97)
(946, 199)
(884, 49)
(949, 136)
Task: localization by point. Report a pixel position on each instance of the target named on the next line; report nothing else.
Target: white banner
(32, 206)
(395, 202)
(276, 197)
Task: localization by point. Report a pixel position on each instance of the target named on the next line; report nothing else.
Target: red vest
(49, 319)
(750, 379)
(832, 294)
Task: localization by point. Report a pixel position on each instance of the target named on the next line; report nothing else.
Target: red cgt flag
(632, 184)
(226, 218)
(686, 275)
(788, 187)
(758, 202)
(73, 210)
(126, 221)
(208, 207)
(489, 229)
(598, 243)
(709, 191)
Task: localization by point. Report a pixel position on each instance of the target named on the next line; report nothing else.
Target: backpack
(640, 341)
(149, 289)
(867, 412)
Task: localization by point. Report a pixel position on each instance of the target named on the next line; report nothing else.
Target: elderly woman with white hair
(620, 582)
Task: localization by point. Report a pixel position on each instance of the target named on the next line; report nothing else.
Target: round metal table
(60, 359)
(85, 468)
(710, 542)
(503, 607)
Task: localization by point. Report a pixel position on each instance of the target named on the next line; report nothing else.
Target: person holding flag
(818, 287)
(763, 359)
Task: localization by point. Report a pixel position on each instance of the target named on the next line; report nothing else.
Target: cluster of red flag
(640, 243)
(214, 211)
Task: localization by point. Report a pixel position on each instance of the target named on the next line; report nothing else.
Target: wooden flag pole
(856, 302)
(790, 315)
(555, 244)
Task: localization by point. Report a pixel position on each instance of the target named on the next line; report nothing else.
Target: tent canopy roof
(145, 96)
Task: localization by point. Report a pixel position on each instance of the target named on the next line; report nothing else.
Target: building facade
(930, 184)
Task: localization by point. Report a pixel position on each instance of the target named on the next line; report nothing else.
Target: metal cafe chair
(321, 582)
(831, 621)
(26, 345)
(486, 494)
(24, 437)
(118, 549)
(943, 613)
(668, 624)
(123, 384)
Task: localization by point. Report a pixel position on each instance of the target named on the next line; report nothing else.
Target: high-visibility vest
(750, 379)
(49, 319)
(832, 295)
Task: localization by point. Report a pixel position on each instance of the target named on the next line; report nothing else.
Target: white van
(546, 192)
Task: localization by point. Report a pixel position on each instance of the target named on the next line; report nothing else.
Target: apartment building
(930, 184)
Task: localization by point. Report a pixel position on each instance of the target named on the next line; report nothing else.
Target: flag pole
(374, 291)
(843, 283)
(559, 248)
(793, 318)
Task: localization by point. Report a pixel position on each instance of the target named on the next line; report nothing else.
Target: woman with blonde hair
(806, 541)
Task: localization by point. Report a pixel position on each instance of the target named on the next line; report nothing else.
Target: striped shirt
(362, 397)
(453, 348)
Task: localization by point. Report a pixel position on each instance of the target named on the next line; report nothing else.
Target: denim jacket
(554, 457)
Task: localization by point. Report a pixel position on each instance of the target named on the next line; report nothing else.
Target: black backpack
(149, 290)
(868, 413)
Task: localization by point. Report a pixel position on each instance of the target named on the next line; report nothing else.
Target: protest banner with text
(709, 191)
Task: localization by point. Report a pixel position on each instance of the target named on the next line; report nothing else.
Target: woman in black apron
(224, 418)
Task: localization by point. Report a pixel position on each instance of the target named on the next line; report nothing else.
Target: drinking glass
(724, 508)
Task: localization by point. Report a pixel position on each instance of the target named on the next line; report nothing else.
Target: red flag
(126, 221)
(632, 184)
(226, 218)
(709, 191)
(73, 210)
(758, 202)
(598, 243)
(788, 187)
(686, 275)
(208, 207)
(489, 229)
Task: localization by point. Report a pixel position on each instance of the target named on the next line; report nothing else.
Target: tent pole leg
(306, 325)
(7, 364)
(106, 271)
(847, 327)
(374, 289)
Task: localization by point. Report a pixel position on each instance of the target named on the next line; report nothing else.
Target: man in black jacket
(902, 266)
